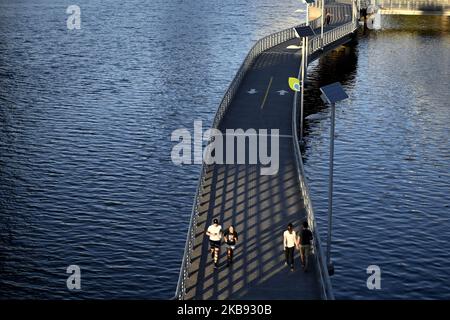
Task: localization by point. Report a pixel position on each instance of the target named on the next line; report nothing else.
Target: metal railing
(414, 5)
(324, 279)
(258, 48)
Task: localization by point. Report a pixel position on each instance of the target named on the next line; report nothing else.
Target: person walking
(306, 238)
(231, 237)
(289, 243)
(214, 233)
(328, 18)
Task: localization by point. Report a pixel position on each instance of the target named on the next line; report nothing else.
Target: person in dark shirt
(306, 238)
(328, 18)
(230, 237)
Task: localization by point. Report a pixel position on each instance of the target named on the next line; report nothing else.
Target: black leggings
(289, 252)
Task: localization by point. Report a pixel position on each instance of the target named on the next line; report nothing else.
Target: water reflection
(391, 159)
(429, 26)
(339, 65)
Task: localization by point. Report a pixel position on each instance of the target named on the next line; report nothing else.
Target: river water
(392, 159)
(85, 121)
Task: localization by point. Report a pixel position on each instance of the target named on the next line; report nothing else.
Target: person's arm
(284, 241)
(297, 241)
(208, 233)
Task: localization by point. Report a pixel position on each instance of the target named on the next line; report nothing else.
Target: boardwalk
(260, 207)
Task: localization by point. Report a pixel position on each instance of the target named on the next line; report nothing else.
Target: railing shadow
(195, 281)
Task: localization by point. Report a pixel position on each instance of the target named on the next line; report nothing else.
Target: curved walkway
(260, 207)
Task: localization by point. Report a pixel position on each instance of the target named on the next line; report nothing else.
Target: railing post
(322, 21)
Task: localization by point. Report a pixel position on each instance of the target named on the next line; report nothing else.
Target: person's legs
(286, 255)
(303, 254)
(216, 256)
(291, 257)
(211, 248)
(230, 251)
(306, 259)
(307, 252)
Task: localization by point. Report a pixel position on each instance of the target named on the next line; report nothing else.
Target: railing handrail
(325, 282)
(412, 5)
(326, 287)
(259, 47)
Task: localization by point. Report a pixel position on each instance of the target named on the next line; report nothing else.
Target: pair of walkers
(303, 242)
(215, 234)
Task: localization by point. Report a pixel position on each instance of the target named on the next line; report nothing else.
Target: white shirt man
(214, 233)
(289, 243)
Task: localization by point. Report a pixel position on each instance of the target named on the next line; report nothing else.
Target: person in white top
(214, 233)
(290, 243)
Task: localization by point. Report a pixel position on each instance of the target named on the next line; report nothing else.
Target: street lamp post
(308, 2)
(322, 22)
(331, 94)
(307, 14)
(304, 33)
(330, 185)
(302, 81)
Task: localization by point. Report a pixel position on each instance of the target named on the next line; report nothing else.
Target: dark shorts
(214, 244)
(305, 249)
(231, 246)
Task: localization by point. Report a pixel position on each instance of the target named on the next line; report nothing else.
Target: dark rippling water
(85, 123)
(392, 160)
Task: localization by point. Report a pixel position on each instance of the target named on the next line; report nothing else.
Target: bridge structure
(260, 206)
(410, 7)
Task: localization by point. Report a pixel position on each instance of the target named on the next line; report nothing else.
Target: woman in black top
(230, 237)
